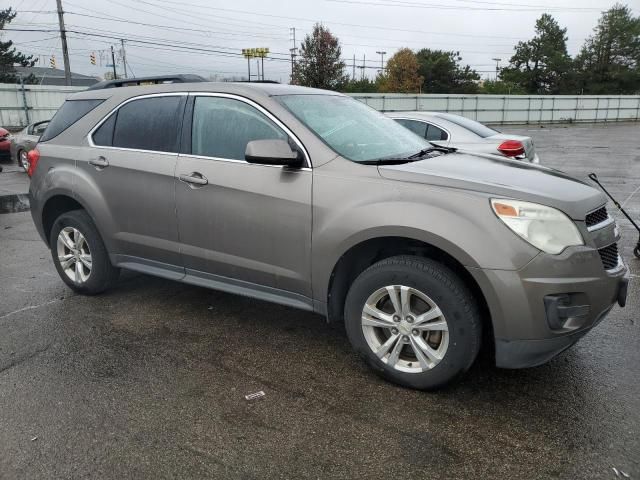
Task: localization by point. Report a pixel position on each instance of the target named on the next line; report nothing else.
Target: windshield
(352, 129)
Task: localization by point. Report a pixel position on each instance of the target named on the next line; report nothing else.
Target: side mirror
(273, 152)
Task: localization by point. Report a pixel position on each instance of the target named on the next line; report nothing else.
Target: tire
(452, 337)
(23, 162)
(94, 274)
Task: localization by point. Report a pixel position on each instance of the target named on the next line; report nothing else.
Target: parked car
(421, 251)
(25, 140)
(5, 145)
(466, 134)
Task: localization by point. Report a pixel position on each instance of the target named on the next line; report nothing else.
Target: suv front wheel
(414, 321)
(79, 254)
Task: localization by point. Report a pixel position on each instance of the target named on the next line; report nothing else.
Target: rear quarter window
(69, 113)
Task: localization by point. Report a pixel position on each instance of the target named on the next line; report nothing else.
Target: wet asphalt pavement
(148, 380)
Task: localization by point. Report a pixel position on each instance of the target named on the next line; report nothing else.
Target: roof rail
(130, 82)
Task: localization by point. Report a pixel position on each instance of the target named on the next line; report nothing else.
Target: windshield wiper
(434, 148)
(388, 161)
(411, 158)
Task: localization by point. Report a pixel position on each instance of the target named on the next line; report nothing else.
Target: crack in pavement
(30, 307)
(24, 358)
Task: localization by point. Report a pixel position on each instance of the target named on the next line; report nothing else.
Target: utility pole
(65, 49)
(293, 50)
(497, 60)
(354, 68)
(113, 64)
(382, 54)
(364, 61)
(124, 58)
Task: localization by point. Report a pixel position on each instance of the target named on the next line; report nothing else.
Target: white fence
(20, 106)
(502, 109)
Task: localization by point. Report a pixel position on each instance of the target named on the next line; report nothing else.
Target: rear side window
(419, 128)
(435, 133)
(471, 125)
(69, 113)
(144, 124)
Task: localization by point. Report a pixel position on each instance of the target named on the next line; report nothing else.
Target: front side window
(144, 124)
(69, 113)
(352, 129)
(222, 127)
(39, 128)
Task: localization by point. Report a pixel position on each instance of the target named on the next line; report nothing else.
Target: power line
(432, 6)
(329, 22)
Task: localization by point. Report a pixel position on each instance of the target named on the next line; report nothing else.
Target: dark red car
(5, 146)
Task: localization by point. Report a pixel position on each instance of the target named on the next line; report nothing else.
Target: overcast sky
(205, 37)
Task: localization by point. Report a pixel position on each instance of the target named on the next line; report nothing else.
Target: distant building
(54, 76)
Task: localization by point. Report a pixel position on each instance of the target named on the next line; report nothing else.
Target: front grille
(597, 217)
(609, 256)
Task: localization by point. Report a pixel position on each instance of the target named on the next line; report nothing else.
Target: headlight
(546, 228)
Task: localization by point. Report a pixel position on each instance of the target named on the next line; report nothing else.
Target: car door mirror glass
(272, 152)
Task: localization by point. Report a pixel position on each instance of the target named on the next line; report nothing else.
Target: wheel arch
(57, 204)
(367, 252)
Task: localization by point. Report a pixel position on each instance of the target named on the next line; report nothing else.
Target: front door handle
(99, 162)
(194, 178)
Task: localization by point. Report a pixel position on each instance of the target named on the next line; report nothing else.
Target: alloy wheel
(74, 254)
(405, 328)
(24, 160)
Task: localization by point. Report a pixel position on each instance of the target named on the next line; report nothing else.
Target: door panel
(138, 190)
(250, 222)
(247, 222)
(132, 167)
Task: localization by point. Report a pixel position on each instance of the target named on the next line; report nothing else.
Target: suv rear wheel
(79, 254)
(414, 321)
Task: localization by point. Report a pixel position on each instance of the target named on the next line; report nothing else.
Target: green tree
(498, 87)
(542, 65)
(609, 61)
(401, 74)
(9, 56)
(319, 64)
(442, 72)
(360, 86)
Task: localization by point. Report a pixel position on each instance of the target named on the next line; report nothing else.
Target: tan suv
(311, 199)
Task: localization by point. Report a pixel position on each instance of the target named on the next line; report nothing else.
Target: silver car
(26, 140)
(465, 134)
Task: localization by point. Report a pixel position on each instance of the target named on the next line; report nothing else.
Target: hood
(501, 178)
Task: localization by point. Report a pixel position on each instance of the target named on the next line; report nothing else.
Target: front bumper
(548, 305)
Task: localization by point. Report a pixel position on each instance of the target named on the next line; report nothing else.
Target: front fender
(458, 222)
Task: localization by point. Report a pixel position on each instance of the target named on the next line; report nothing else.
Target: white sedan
(465, 134)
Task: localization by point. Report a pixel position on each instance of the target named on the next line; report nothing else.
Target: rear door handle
(194, 178)
(99, 162)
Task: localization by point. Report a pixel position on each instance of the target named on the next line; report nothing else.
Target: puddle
(14, 203)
